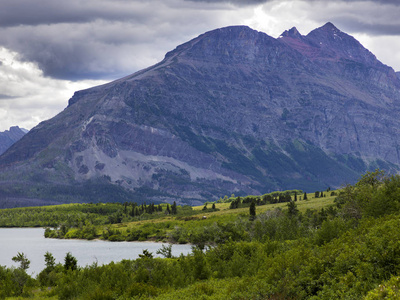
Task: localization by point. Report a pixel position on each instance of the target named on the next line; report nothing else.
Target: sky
(50, 49)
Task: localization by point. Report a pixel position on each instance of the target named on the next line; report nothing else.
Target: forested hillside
(346, 247)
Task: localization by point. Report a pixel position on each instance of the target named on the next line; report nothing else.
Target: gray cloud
(107, 39)
(28, 12)
(103, 38)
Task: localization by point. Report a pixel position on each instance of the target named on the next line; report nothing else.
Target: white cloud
(374, 24)
(27, 97)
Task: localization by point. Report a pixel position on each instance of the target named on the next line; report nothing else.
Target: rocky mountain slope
(9, 137)
(231, 111)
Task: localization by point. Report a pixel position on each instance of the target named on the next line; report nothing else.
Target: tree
(292, 209)
(213, 206)
(305, 196)
(173, 208)
(70, 262)
(146, 254)
(316, 194)
(252, 210)
(295, 196)
(165, 251)
(23, 260)
(49, 260)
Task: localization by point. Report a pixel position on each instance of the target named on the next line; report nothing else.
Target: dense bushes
(348, 252)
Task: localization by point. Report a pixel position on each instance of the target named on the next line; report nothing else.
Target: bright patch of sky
(27, 97)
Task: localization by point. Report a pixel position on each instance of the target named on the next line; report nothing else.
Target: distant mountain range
(231, 111)
(9, 137)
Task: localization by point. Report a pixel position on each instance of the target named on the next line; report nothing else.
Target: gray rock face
(231, 111)
(9, 137)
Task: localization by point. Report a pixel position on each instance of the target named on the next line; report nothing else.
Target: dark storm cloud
(252, 2)
(98, 38)
(107, 39)
(28, 12)
(372, 29)
(235, 2)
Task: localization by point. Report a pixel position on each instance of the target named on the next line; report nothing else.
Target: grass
(160, 228)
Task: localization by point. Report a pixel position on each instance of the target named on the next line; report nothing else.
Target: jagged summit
(9, 137)
(292, 33)
(329, 27)
(230, 111)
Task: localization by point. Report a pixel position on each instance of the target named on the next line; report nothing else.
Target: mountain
(231, 111)
(9, 137)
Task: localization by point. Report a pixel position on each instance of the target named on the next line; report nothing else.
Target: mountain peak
(232, 43)
(330, 26)
(9, 137)
(292, 32)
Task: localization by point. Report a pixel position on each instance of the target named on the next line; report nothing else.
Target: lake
(31, 241)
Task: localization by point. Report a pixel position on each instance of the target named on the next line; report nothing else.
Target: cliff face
(9, 137)
(231, 111)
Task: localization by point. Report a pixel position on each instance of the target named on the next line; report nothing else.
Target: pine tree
(173, 208)
(292, 209)
(305, 196)
(70, 262)
(252, 210)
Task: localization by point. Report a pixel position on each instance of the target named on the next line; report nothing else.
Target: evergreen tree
(50, 261)
(288, 197)
(305, 196)
(70, 262)
(173, 208)
(165, 251)
(146, 254)
(295, 196)
(252, 210)
(292, 209)
(23, 260)
(213, 206)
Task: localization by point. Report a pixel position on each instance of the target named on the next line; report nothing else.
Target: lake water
(31, 241)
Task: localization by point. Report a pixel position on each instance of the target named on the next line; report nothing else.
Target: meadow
(340, 246)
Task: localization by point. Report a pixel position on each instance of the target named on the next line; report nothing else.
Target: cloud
(103, 39)
(26, 97)
(367, 21)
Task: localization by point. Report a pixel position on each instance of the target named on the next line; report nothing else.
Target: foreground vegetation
(346, 247)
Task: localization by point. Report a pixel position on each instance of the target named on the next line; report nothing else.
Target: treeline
(270, 198)
(350, 250)
(72, 215)
(85, 229)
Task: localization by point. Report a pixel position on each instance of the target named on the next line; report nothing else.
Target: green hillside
(334, 247)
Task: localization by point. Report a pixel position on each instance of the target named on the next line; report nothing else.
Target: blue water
(32, 243)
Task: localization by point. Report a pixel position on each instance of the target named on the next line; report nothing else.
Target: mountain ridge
(231, 111)
(10, 136)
